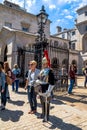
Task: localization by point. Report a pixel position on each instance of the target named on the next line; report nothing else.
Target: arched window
(65, 62)
(55, 63)
(74, 62)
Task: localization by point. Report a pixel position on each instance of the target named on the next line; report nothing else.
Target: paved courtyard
(66, 112)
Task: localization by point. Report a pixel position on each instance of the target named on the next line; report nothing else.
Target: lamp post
(41, 41)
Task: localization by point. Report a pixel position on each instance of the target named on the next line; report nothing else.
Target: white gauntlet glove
(50, 88)
(37, 82)
(48, 92)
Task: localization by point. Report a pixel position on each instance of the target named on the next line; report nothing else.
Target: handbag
(9, 80)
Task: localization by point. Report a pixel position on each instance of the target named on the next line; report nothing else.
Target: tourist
(32, 77)
(2, 88)
(7, 71)
(85, 73)
(75, 69)
(16, 71)
(72, 79)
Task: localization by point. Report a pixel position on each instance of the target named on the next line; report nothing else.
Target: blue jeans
(7, 91)
(85, 81)
(3, 96)
(71, 85)
(32, 98)
(16, 83)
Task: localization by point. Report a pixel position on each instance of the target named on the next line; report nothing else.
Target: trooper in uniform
(46, 79)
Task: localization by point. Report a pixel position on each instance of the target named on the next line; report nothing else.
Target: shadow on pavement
(18, 103)
(72, 98)
(13, 116)
(22, 93)
(57, 101)
(57, 123)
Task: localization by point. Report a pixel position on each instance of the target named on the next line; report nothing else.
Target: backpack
(17, 73)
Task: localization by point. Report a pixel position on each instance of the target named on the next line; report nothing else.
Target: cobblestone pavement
(66, 112)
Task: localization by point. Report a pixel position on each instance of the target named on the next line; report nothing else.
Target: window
(65, 45)
(69, 45)
(86, 28)
(26, 29)
(73, 33)
(86, 13)
(55, 43)
(63, 35)
(8, 24)
(72, 46)
(25, 26)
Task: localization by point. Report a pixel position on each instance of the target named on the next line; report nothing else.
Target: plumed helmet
(44, 60)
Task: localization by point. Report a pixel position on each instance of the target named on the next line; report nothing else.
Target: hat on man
(44, 60)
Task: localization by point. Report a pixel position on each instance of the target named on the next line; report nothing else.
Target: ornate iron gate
(59, 59)
(24, 56)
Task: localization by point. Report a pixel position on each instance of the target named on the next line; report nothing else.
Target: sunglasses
(30, 64)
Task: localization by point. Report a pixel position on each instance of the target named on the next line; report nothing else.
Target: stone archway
(65, 63)
(74, 62)
(55, 63)
(85, 62)
(4, 51)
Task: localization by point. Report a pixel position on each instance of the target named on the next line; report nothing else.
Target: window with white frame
(85, 13)
(73, 33)
(72, 46)
(63, 35)
(86, 28)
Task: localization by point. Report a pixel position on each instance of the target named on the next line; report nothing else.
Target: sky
(61, 12)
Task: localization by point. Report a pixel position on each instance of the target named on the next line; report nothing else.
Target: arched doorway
(5, 54)
(65, 63)
(74, 62)
(55, 63)
(85, 62)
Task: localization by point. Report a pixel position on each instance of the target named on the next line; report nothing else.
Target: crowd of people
(7, 77)
(38, 81)
(73, 77)
(43, 78)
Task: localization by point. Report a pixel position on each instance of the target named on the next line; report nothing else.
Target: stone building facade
(18, 29)
(77, 37)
